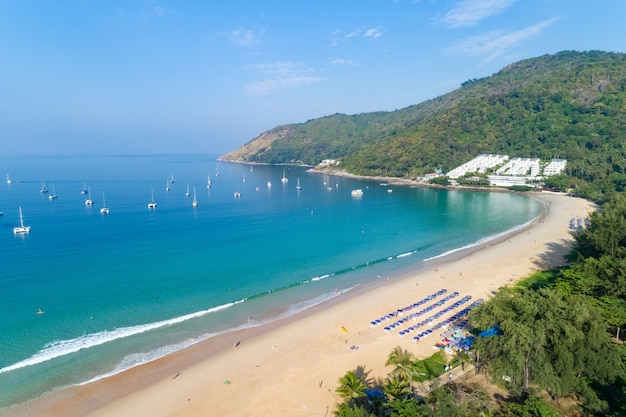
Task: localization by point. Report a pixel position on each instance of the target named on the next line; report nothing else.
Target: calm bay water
(128, 287)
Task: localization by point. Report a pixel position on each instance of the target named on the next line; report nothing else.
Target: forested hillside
(568, 105)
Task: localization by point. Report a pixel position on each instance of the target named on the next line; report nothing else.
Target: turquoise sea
(121, 289)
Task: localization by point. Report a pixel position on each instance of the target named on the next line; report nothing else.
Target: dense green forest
(568, 105)
(558, 348)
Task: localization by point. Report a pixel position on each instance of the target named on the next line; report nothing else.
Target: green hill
(568, 105)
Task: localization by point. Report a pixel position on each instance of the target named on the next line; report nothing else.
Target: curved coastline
(131, 388)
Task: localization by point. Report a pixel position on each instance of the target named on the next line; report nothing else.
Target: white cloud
(281, 76)
(493, 44)
(373, 33)
(470, 12)
(340, 62)
(245, 38)
(338, 37)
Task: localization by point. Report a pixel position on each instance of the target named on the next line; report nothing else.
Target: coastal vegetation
(567, 105)
(556, 346)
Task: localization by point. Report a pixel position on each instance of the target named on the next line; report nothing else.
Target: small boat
(44, 187)
(269, 184)
(284, 178)
(172, 179)
(85, 190)
(208, 181)
(54, 193)
(357, 193)
(195, 200)
(152, 204)
(167, 185)
(21, 229)
(88, 200)
(8, 179)
(40, 312)
(187, 192)
(298, 187)
(237, 194)
(104, 209)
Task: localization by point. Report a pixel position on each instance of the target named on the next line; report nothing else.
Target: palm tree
(402, 359)
(396, 387)
(351, 387)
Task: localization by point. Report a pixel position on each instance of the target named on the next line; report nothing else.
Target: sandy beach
(291, 367)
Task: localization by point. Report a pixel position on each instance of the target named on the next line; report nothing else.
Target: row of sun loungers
(421, 312)
(449, 320)
(436, 316)
(401, 311)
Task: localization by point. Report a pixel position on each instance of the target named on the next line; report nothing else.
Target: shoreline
(270, 360)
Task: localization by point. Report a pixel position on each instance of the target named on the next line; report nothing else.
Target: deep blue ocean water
(131, 286)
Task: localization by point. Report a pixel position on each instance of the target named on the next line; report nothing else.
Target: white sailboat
(298, 187)
(21, 229)
(54, 193)
(84, 190)
(187, 192)
(8, 179)
(284, 178)
(172, 179)
(167, 185)
(104, 209)
(195, 200)
(152, 204)
(44, 187)
(208, 181)
(88, 200)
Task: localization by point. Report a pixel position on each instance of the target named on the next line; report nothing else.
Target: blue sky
(191, 76)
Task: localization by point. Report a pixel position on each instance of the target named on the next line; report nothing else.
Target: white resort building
(509, 172)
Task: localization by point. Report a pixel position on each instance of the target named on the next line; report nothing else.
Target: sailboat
(8, 179)
(88, 200)
(187, 192)
(21, 229)
(54, 193)
(284, 178)
(167, 185)
(44, 187)
(298, 187)
(195, 200)
(172, 179)
(152, 204)
(84, 190)
(104, 209)
(208, 181)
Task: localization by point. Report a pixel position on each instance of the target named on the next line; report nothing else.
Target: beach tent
(374, 393)
(492, 331)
